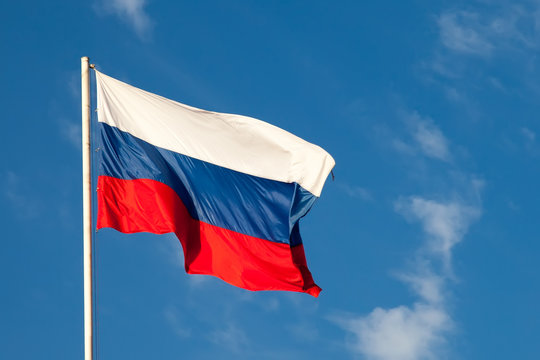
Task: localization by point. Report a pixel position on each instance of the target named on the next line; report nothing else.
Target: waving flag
(232, 188)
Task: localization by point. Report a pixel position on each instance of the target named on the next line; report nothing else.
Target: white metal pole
(87, 209)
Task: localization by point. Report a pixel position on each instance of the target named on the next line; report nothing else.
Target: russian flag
(232, 188)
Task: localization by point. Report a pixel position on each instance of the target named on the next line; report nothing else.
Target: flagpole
(87, 209)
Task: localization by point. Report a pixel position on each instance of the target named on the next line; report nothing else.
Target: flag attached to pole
(232, 188)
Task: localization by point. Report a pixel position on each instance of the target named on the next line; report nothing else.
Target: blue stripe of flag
(262, 208)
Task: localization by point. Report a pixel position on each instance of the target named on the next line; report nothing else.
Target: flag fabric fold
(232, 188)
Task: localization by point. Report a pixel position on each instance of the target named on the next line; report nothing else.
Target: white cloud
(74, 85)
(496, 83)
(431, 140)
(470, 43)
(528, 134)
(403, 147)
(529, 141)
(197, 280)
(441, 66)
(356, 191)
(426, 285)
(131, 12)
(445, 224)
(270, 304)
(14, 191)
(400, 333)
(173, 317)
(459, 33)
(506, 26)
(72, 133)
(419, 331)
(427, 138)
(304, 331)
(230, 337)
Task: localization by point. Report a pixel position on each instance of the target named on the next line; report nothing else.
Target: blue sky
(426, 244)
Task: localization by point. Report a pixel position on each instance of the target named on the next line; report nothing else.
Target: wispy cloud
(418, 331)
(507, 26)
(130, 11)
(421, 329)
(271, 304)
(74, 85)
(529, 141)
(502, 29)
(357, 192)
(425, 283)
(445, 224)
(459, 32)
(231, 337)
(528, 134)
(431, 140)
(496, 83)
(174, 319)
(400, 333)
(72, 133)
(426, 138)
(14, 191)
(304, 331)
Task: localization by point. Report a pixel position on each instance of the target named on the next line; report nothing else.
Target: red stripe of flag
(248, 262)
